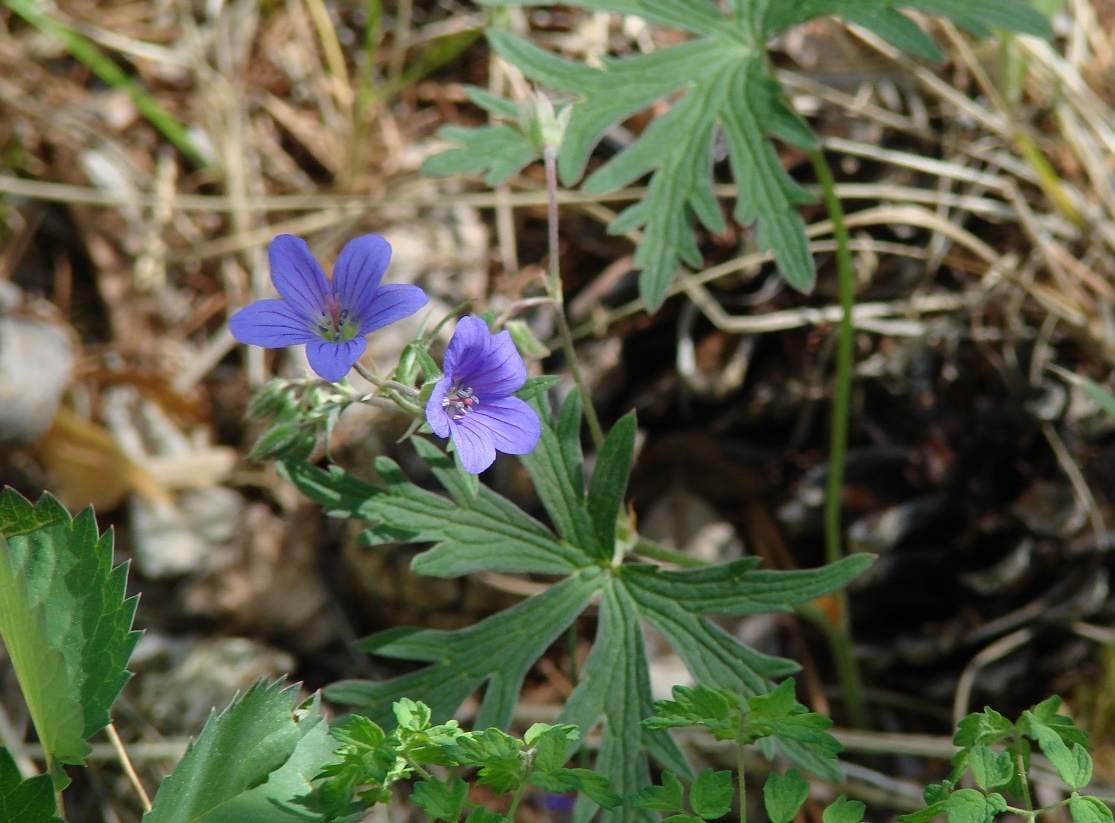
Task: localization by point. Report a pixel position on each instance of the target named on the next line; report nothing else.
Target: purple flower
(473, 402)
(330, 318)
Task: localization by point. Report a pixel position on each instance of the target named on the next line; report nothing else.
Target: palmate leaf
(253, 761)
(488, 532)
(725, 88)
(64, 619)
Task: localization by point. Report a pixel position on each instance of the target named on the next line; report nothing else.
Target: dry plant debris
(981, 195)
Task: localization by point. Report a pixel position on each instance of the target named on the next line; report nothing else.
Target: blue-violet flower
(330, 318)
(474, 404)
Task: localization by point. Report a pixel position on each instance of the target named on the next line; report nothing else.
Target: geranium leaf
(487, 532)
(498, 651)
(719, 81)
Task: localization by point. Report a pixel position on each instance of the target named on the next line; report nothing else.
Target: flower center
(459, 401)
(336, 324)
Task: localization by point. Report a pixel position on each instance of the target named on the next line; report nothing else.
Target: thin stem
(394, 385)
(126, 763)
(515, 801)
(741, 770)
(1023, 778)
(840, 637)
(554, 291)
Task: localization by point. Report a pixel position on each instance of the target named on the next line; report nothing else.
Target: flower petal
(473, 442)
(468, 346)
(435, 411)
(390, 303)
(513, 425)
(332, 361)
(297, 275)
(500, 373)
(271, 324)
(358, 272)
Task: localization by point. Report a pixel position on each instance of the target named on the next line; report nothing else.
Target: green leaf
(536, 386)
(440, 801)
(498, 650)
(479, 815)
(779, 715)
(250, 762)
(1089, 809)
(716, 81)
(971, 806)
(64, 620)
(615, 688)
(555, 466)
(990, 769)
(1077, 773)
(714, 709)
(25, 801)
(783, 795)
(485, 532)
(596, 787)
(609, 483)
(711, 794)
(551, 745)
(931, 812)
(983, 728)
(664, 798)
(843, 810)
(501, 151)
(498, 756)
(740, 588)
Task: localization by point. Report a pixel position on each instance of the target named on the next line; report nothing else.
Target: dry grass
(981, 194)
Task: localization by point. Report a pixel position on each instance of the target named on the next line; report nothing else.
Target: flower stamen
(459, 401)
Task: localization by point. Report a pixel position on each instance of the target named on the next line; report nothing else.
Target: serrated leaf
(439, 801)
(990, 769)
(711, 793)
(930, 812)
(843, 810)
(664, 798)
(65, 621)
(969, 806)
(783, 795)
(1089, 809)
(551, 745)
(250, 762)
(499, 151)
(25, 801)
(469, 534)
(498, 756)
(479, 815)
(595, 787)
(715, 709)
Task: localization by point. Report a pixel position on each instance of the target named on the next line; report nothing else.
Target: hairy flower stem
(741, 770)
(515, 801)
(554, 291)
(840, 637)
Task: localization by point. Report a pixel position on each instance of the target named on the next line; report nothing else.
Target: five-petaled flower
(473, 402)
(330, 318)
